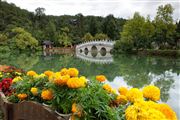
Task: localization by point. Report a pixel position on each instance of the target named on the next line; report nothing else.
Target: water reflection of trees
(139, 71)
(165, 82)
(21, 60)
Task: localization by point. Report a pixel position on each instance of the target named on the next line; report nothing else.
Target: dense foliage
(46, 27)
(160, 33)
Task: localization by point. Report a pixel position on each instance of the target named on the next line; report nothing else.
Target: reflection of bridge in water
(106, 59)
(96, 51)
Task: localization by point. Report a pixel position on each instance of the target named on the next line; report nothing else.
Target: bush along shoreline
(68, 92)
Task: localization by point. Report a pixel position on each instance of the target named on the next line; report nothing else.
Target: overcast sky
(119, 8)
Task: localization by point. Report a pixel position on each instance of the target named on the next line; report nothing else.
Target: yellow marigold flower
(39, 76)
(48, 73)
(22, 96)
(101, 78)
(57, 74)
(121, 99)
(31, 73)
(73, 72)
(16, 79)
(83, 80)
(34, 91)
(64, 71)
(152, 104)
(151, 92)
(123, 90)
(134, 94)
(76, 82)
(1, 74)
(76, 109)
(47, 95)
(167, 111)
(140, 111)
(65, 78)
(113, 91)
(18, 73)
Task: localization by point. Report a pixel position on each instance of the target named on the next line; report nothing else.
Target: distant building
(47, 44)
(73, 21)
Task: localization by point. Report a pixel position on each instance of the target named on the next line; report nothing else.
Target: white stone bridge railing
(107, 44)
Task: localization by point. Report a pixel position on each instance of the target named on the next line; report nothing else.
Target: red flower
(5, 86)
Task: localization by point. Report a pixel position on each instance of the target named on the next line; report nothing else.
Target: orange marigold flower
(76, 109)
(22, 96)
(46, 95)
(167, 111)
(48, 73)
(151, 92)
(123, 90)
(62, 80)
(31, 73)
(64, 71)
(73, 72)
(101, 78)
(109, 89)
(34, 91)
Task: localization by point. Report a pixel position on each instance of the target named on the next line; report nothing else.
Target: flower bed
(67, 92)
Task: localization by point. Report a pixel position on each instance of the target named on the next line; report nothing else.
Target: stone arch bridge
(106, 45)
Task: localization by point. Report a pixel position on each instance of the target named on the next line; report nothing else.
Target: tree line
(143, 33)
(20, 28)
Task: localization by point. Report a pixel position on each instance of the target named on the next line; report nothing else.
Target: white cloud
(120, 8)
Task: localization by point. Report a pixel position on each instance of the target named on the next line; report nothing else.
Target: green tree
(87, 37)
(110, 27)
(80, 24)
(137, 33)
(51, 32)
(23, 39)
(64, 39)
(147, 33)
(3, 43)
(164, 26)
(3, 39)
(130, 35)
(93, 26)
(177, 35)
(101, 36)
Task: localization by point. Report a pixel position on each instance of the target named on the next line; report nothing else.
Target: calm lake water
(121, 70)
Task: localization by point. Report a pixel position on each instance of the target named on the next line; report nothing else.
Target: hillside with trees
(25, 30)
(62, 30)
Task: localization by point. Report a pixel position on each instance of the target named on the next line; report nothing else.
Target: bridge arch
(94, 48)
(99, 45)
(103, 51)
